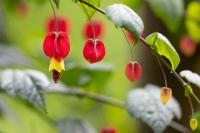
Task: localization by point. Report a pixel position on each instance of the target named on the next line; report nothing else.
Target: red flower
(56, 46)
(63, 24)
(187, 46)
(133, 71)
(130, 37)
(22, 8)
(94, 50)
(93, 29)
(108, 130)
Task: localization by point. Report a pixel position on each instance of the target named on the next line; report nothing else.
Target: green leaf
(28, 85)
(169, 11)
(160, 44)
(82, 76)
(88, 10)
(132, 3)
(56, 3)
(193, 20)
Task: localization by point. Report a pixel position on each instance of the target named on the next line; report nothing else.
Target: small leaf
(124, 17)
(57, 2)
(192, 20)
(144, 104)
(28, 85)
(86, 9)
(193, 124)
(169, 11)
(71, 125)
(160, 44)
(165, 94)
(191, 77)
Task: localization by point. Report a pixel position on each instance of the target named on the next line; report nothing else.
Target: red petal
(63, 24)
(56, 45)
(63, 46)
(94, 27)
(133, 71)
(48, 45)
(94, 50)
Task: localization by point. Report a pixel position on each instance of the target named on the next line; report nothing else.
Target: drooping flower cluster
(94, 49)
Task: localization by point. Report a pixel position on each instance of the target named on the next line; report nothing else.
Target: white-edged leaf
(191, 77)
(28, 85)
(169, 11)
(124, 17)
(71, 125)
(144, 104)
(160, 44)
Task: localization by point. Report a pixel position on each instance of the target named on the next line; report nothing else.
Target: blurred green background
(26, 32)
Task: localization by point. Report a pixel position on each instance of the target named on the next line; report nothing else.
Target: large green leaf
(193, 20)
(86, 9)
(169, 11)
(160, 44)
(132, 3)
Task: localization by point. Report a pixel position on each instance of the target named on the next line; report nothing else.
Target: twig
(106, 100)
(179, 127)
(92, 6)
(83, 94)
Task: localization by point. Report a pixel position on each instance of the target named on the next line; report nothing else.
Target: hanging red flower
(62, 23)
(22, 8)
(187, 46)
(133, 71)
(56, 46)
(108, 130)
(94, 50)
(93, 29)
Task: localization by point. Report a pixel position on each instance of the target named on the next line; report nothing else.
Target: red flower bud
(108, 130)
(187, 46)
(93, 29)
(56, 45)
(133, 71)
(94, 50)
(63, 24)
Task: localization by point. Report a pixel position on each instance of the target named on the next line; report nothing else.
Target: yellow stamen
(56, 65)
